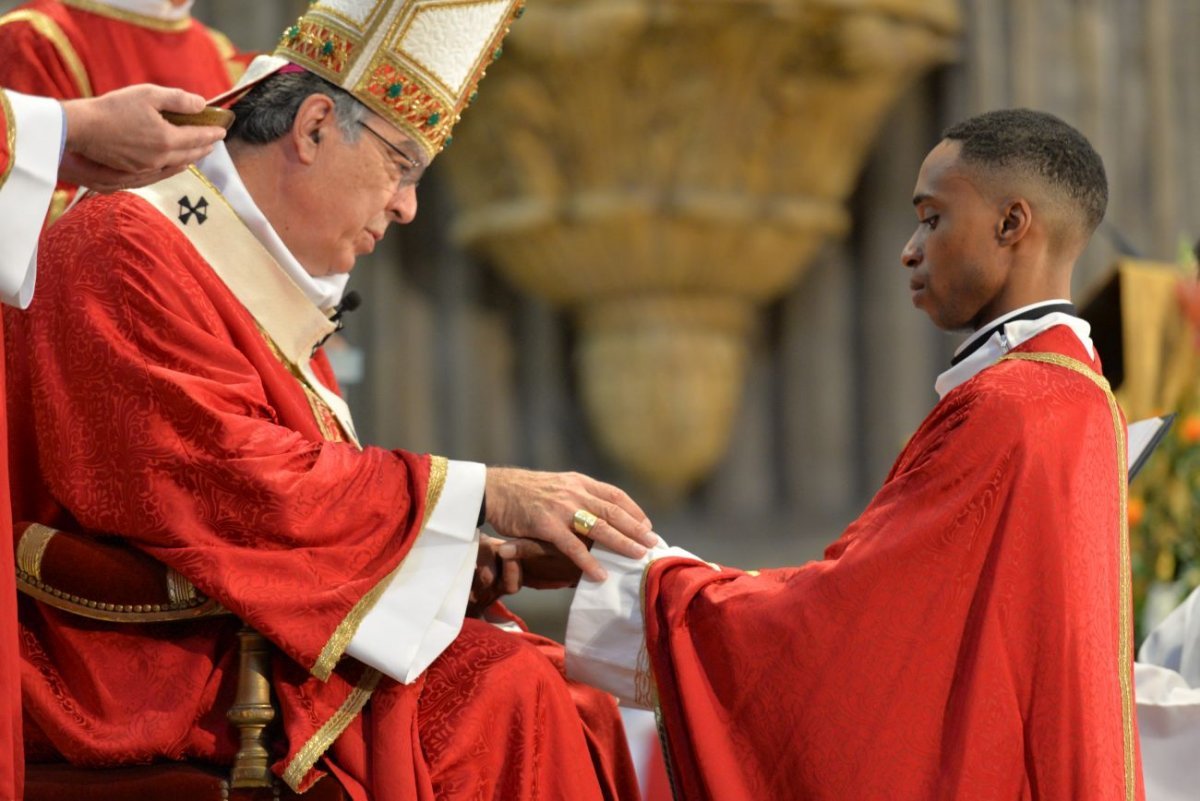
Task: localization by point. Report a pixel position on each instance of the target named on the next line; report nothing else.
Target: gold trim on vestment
(60, 199)
(50, 29)
(131, 17)
(655, 702)
(307, 756)
(1125, 625)
(315, 402)
(439, 467)
(32, 549)
(10, 136)
(340, 639)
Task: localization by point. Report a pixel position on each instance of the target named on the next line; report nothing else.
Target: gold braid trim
(439, 466)
(32, 548)
(58, 205)
(315, 403)
(307, 756)
(49, 29)
(338, 642)
(10, 136)
(132, 17)
(652, 690)
(1125, 625)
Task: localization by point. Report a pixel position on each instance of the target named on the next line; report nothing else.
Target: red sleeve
(158, 419)
(38, 57)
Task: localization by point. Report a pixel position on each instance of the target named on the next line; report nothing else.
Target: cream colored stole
(286, 316)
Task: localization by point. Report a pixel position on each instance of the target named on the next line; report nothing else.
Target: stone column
(662, 168)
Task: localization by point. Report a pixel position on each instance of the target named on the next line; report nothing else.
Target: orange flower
(1189, 432)
(1136, 511)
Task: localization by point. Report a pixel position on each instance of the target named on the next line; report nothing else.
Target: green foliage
(1164, 515)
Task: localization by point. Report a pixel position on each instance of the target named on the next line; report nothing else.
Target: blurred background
(663, 248)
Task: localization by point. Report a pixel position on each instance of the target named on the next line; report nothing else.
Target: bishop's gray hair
(266, 113)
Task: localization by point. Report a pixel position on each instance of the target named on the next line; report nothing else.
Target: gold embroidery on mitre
(32, 549)
(1124, 615)
(392, 56)
(48, 28)
(10, 136)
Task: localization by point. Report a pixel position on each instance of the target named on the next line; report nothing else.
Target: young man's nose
(910, 256)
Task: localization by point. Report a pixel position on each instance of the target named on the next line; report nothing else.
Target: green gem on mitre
(499, 51)
(433, 119)
(520, 12)
(327, 48)
(395, 89)
(446, 143)
(292, 33)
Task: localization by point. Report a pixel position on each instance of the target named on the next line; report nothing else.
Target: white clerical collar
(325, 291)
(156, 9)
(1006, 336)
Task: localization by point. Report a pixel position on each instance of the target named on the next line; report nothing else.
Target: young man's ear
(1015, 222)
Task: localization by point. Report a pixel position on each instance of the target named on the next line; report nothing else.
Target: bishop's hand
(526, 504)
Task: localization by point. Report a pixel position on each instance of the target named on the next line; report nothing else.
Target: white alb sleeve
(606, 639)
(421, 611)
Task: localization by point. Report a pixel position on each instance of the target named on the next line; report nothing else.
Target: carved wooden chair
(75, 573)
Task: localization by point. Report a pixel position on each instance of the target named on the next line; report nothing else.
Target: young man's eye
(931, 221)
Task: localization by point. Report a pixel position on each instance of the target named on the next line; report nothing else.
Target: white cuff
(606, 638)
(421, 611)
(26, 194)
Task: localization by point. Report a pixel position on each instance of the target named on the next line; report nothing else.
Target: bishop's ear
(1014, 222)
(315, 113)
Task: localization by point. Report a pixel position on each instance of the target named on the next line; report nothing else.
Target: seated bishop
(169, 388)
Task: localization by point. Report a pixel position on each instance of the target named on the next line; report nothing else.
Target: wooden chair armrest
(103, 578)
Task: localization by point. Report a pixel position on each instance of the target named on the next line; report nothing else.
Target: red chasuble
(11, 767)
(146, 401)
(78, 48)
(968, 637)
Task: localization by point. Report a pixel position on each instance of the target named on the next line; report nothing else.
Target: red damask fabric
(145, 402)
(966, 638)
